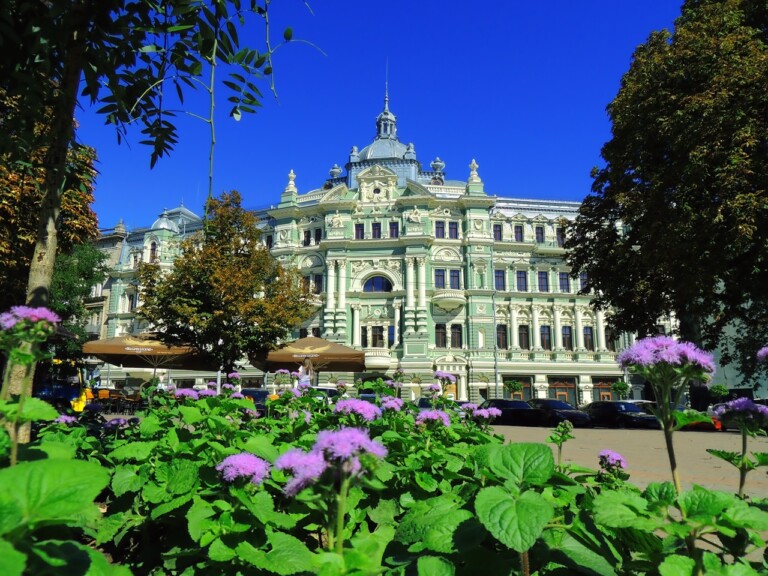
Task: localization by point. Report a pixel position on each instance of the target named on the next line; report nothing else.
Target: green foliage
(676, 222)
(719, 392)
(224, 283)
(621, 389)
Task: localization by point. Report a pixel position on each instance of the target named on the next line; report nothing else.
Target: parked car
(556, 411)
(620, 414)
(649, 406)
(259, 397)
(516, 412)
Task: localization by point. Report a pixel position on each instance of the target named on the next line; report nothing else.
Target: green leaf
(262, 446)
(288, 34)
(170, 506)
(384, 512)
(425, 481)
(435, 566)
(685, 417)
(191, 414)
(515, 522)
(703, 504)
(125, 479)
(562, 543)
(138, 451)
(180, 476)
(523, 463)
(35, 410)
(12, 562)
(366, 549)
(220, 552)
(622, 510)
(432, 524)
(733, 458)
(70, 557)
(288, 555)
(660, 494)
(198, 518)
(150, 425)
(743, 515)
(677, 566)
(56, 450)
(49, 492)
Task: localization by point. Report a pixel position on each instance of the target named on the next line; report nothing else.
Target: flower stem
(341, 512)
(525, 564)
(672, 460)
(742, 468)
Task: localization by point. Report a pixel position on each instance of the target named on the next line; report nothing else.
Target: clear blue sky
(519, 86)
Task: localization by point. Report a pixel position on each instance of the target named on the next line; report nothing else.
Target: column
(558, 328)
(513, 327)
(409, 282)
(342, 264)
(422, 283)
(600, 329)
(396, 306)
(356, 325)
(579, 329)
(369, 333)
(535, 328)
(330, 302)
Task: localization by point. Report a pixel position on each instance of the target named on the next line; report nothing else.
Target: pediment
(336, 193)
(377, 184)
(415, 190)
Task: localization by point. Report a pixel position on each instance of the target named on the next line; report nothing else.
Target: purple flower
(186, 393)
(306, 468)
(486, 413)
(304, 385)
(441, 375)
(392, 384)
(209, 392)
(744, 411)
(294, 415)
(236, 396)
(392, 403)
(233, 376)
(762, 354)
(94, 407)
(227, 387)
(666, 350)
(346, 443)
(19, 313)
(295, 375)
(426, 416)
(66, 419)
(282, 371)
(115, 423)
(251, 413)
(368, 411)
(609, 459)
(470, 408)
(212, 385)
(244, 465)
(434, 388)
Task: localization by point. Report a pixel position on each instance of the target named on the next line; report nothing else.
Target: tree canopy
(677, 221)
(226, 295)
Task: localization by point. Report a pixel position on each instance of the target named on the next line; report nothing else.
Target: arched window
(153, 252)
(377, 284)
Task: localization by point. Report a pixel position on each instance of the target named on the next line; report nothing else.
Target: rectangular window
(560, 234)
(376, 230)
(439, 278)
(546, 337)
(318, 235)
(565, 282)
(390, 336)
(364, 336)
(377, 335)
(524, 337)
(543, 281)
(522, 281)
(270, 241)
(457, 340)
(584, 281)
(439, 229)
(518, 233)
(500, 281)
(305, 283)
(610, 339)
(303, 333)
(359, 231)
(440, 336)
(540, 234)
(567, 337)
(394, 229)
(661, 330)
(318, 283)
(589, 340)
(456, 279)
(307, 237)
(501, 336)
(497, 234)
(453, 230)
(316, 331)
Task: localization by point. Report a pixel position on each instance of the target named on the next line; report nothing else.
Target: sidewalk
(647, 459)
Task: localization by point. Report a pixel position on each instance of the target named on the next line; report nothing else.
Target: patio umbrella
(146, 351)
(315, 354)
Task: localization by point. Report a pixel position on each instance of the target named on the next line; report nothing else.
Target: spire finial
(386, 85)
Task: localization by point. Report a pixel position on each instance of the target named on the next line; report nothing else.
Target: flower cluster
(306, 415)
(187, 393)
(392, 403)
(744, 413)
(341, 386)
(445, 377)
(434, 390)
(398, 375)
(762, 354)
(426, 416)
(207, 392)
(295, 375)
(115, 424)
(610, 460)
(227, 386)
(234, 376)
(24, 324)
(236, 396)
(369, 412)
(665, 350)
(477, 413)
(66, 419)
(282, 377)
(339, 450)
(393, 384)
(19, 314)
(244, 465)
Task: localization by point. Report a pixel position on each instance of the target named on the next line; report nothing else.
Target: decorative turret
(475, 185)
(290, 194)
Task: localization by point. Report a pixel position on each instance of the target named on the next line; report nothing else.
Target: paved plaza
(647, 459)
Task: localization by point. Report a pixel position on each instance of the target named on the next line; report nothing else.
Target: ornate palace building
(421, 272)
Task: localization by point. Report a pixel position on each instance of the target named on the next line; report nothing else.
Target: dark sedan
(516, 413)
(556, 411)
(618, 414)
